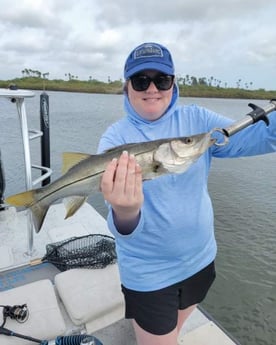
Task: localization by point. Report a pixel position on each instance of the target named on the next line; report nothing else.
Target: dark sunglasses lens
(163, 82)
(140, 82)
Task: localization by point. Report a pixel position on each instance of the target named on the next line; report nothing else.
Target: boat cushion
(45, 320)
(91, 296)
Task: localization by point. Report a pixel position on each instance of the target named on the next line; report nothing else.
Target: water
(243, 297)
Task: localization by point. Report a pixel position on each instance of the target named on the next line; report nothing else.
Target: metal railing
(18, 97)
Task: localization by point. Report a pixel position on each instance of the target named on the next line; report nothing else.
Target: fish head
(177, 154)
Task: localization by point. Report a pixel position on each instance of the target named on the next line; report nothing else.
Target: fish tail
(28, 199)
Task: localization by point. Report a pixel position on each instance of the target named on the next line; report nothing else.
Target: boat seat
(45, 319)
(91, 296)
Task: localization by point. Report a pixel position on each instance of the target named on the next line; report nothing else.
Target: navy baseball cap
(149, 56)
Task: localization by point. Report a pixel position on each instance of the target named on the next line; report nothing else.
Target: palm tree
(238, 83)
(45, 75)
(27, 72)
(188, 79)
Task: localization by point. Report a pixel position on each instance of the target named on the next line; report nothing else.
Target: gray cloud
(156, 11)
(230, 39)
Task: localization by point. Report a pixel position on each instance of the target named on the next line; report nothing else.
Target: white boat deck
(14, 230)
(13, 247)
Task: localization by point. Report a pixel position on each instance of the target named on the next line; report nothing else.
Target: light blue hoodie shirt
(175, 235)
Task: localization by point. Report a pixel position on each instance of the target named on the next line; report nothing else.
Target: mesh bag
(89, 251)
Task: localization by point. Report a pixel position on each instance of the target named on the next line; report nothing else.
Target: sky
(229, 40)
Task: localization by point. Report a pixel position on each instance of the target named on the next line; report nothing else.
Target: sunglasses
(141, 82)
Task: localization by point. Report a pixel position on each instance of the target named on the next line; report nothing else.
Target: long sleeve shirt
(174, 238)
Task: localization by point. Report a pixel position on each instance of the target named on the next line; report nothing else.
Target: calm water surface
(243, 297)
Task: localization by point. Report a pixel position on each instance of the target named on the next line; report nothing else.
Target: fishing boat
(47, 305)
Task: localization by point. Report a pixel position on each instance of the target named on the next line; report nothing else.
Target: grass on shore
(116, 87)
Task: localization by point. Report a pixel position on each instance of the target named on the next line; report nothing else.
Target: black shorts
(157, 311)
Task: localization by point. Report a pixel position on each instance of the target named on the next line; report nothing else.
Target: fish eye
(156, 166)
(188, 140)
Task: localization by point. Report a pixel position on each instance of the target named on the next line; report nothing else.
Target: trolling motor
(20, 313)
(257, 114)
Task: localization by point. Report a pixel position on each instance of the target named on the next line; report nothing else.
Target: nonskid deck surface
(14, 229)
(16, 271)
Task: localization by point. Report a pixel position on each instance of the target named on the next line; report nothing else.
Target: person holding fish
(152, 167)
(164, 228)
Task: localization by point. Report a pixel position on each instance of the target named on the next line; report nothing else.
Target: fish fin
(73, 204)
(39, 212)
(72, 158)
(22, 199)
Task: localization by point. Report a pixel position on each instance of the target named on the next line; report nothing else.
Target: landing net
(90, 251)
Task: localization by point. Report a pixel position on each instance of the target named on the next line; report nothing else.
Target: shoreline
(116, 87)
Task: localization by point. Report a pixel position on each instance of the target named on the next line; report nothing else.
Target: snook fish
(83, 172)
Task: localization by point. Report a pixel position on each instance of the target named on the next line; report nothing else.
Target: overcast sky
(226, 39)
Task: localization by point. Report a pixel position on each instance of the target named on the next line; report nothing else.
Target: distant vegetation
(189, 86)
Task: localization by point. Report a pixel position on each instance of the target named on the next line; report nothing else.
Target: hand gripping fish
(83, 172)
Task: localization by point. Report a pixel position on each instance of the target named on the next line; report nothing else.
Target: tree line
(185, 81)
(27, 72)
(211, 81)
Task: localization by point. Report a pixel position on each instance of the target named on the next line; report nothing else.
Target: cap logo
(147, 51)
